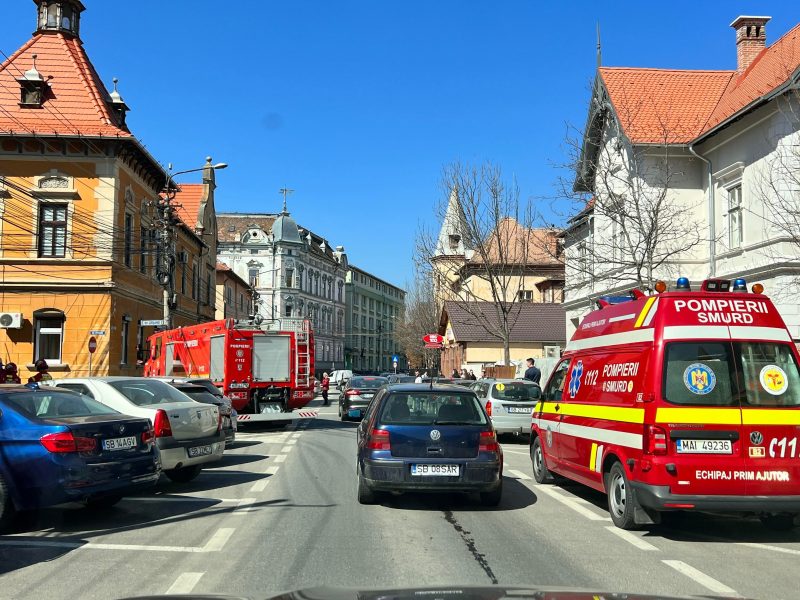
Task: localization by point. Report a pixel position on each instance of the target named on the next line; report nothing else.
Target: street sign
(433, 338)
(98, 332)
(152, 322)
(436, 346)
(395, 359)
(92, 345)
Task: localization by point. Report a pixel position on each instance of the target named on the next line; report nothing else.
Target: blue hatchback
(421, 437)
(59, 446)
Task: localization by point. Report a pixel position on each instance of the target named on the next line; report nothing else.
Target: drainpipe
(712, 241)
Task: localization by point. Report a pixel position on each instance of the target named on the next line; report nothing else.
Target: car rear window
(368, 382)
(769, 374)
(200, 395)
(431, 408)
(56, 404)
(146, 392)
(700, 373)
(518, 391)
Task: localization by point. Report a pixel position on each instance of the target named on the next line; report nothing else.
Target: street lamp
(165, 270)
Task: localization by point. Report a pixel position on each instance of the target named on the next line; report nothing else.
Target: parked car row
(94, 440)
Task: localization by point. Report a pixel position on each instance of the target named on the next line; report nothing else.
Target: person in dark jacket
(532, 373)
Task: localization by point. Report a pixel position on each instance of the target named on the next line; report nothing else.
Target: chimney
(751, 39)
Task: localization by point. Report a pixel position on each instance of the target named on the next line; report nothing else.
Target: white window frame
(51, 360)
(735, 217)
(124, 332)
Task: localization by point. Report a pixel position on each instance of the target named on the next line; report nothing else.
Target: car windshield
(520, 391)
(368, 382)
(146, 392)
(55, 404)
(432, 408)
(199, 394)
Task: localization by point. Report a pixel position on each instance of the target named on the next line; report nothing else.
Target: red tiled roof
(77, 103)
(187, 202)
(674, 106)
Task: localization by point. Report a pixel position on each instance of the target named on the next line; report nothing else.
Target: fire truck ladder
(303, 356)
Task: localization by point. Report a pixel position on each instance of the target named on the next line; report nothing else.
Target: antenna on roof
(599, 49)
(285, 191)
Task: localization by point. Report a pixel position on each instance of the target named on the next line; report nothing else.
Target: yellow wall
(490, 352)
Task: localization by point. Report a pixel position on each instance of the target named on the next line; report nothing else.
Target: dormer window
(454, 240)
(32, 88)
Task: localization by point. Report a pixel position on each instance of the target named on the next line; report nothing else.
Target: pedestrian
(418, 377)
(11, 375)
(41, 372)
(455, 374)
(326, 384)
(472, 375)
(532, 373)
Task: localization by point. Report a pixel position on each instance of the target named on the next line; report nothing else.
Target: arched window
(49, 335)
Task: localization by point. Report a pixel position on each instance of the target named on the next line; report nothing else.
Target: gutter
(712, 228)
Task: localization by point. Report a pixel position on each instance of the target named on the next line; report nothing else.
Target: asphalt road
(279, 512)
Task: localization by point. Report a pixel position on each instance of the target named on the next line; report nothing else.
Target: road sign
(395, 358)
(152, 322)
(92, 345)
(433, 338)
(98, 332)
(394, 364)
(436, 346)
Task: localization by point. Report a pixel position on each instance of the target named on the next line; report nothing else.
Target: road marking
(768, 547)
(271, 470)
(185, 583)
(570, 503)
(291, 441)
(698, 576)
(260, 486)
(632, 539)
(519, 474)
(515, 451)
(186, 498)
(218, 540)
(286, 449)
(279, 458)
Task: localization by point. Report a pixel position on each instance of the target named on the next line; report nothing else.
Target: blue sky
(358, 105)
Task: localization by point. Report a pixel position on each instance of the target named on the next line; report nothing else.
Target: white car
(188, 433)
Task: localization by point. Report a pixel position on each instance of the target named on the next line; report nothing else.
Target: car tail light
(489, 408)
(379, 440)
(656, 440)
(161, 426)
(148, 436)
(488, 442)
(351, 393)
(65, 441)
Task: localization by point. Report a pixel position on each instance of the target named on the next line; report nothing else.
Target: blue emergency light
(32, 385)
(683, 284)
(739, 285)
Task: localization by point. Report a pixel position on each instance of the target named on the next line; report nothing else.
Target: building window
(287, 310)
(253, 275)
(142, 250)
(128, 248)
(289, 278)
(241, 301)
(208, 289)
(194, 282)
(735, 225)
(52, 230)
(155, 238)
(525, 295)
(582, 261)
(123, 357)
(49, 331)
(183, 279)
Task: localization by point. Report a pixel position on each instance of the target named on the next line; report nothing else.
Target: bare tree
(421, 317)
(481, 259)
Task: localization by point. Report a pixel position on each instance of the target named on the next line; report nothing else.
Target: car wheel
(342, 414)
(6, 506)
(365, 495)
(184, 474)
(540, 471)
(779, 522)
(492, 498)
(102, 501)
(620, 497)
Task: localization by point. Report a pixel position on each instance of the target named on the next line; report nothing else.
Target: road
(279, 512)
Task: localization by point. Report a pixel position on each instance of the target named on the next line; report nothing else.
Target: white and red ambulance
(683, 400)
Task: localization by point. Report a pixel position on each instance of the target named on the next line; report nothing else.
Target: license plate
(123, 443)
(441, 470)
(200, 451)
(525, 410)
(367, 395)
(704, 447)
(354, 413)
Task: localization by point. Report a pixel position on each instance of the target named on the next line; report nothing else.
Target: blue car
(59, 446)
(422, 437)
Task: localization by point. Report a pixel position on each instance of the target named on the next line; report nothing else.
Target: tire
(621, 502)
(342, 416)
(779, 522)
(184, 474)
(540, 471)
(365, 495)
(492, 498)
(102, 502)
(6, 506)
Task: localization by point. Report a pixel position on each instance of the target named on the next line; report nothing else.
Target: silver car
(508, 402)
(188, 434)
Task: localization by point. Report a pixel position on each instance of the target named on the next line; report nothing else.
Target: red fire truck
(265, 370)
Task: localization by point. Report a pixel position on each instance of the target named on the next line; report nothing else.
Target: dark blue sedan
(59, 446)
(421, 437)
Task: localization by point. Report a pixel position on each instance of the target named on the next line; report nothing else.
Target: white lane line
(186, 498)
(260, 486)
(279, 458)
(515, 451)
(632, 539)
(570, 503)
(286, 449)
(768, 547)
(698, 576)
(519, 474)
(218, 540)
(185, 583)
(291, 441)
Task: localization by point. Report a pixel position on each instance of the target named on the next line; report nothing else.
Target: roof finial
(599, 50)
(285, 191)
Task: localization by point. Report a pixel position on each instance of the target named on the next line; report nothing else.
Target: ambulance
(681, 400)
